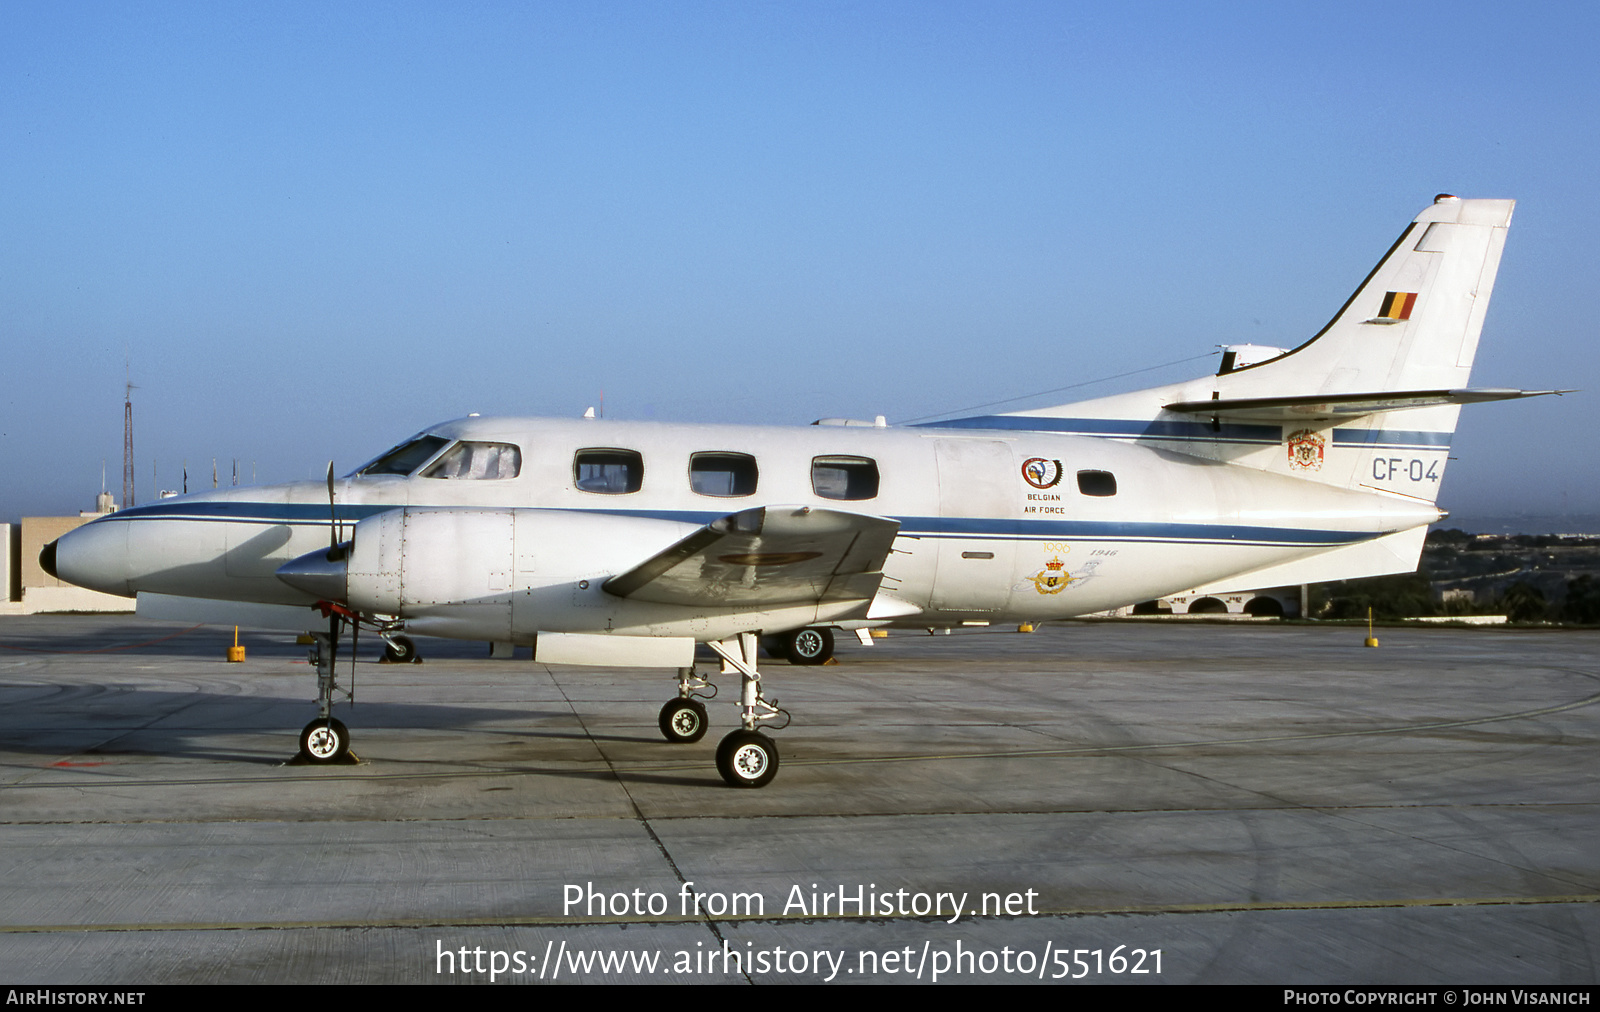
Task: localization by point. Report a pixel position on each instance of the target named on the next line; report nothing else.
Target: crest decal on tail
(1306, 449)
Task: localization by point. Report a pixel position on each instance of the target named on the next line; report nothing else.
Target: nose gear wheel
(325, 740)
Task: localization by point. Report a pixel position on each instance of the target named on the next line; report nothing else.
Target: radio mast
(127, 444)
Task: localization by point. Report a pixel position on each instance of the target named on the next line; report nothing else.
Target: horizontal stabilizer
(765, 556)
(1342, 406)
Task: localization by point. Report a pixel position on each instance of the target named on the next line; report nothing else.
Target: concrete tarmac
(1134, 803)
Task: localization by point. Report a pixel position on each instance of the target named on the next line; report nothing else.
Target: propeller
(323, 573)
(333, 544)
(333, 513)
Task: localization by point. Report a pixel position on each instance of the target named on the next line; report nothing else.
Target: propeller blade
(333, 514)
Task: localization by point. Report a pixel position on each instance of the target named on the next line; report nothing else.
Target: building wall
(1235, 602)
(10, 562)
(36, 533)
(39, 591)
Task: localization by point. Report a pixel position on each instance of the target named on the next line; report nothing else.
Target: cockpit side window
(607, 471)
(477, 461)
(844, 477)
(406, 457)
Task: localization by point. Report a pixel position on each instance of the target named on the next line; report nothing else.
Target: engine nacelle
(470, 573)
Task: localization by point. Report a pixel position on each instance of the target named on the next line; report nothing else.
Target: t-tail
(1370, 402)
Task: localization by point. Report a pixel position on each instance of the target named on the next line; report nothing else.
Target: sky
(307, 230)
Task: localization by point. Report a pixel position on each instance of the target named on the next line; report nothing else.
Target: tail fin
(1370, 402)
(1413, 325)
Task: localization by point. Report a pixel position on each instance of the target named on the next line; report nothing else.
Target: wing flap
(767, 556)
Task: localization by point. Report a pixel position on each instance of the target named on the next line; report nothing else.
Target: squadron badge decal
(1051, 579)
(1041, 473)
(1305, 450)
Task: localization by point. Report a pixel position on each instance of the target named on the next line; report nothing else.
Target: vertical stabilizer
(1412, 325)
(1369, 402)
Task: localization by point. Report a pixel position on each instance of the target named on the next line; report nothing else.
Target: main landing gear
(399, 649)
(746, 757)
(808, 646)
(683, 720)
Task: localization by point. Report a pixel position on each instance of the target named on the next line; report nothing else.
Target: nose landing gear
(326, 740)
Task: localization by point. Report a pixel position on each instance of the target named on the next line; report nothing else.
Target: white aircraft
(628, 543)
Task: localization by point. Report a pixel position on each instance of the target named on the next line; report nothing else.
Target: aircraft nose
(93, 556)
(323, 573)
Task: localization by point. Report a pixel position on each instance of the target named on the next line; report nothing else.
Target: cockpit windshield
(406, 457)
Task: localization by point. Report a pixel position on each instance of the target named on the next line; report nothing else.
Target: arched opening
(1208, 606)
(1149, 608)
(1264, 607)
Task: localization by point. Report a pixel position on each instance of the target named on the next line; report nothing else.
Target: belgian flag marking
(1397, 306)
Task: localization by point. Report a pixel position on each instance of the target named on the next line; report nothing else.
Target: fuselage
(994, 525)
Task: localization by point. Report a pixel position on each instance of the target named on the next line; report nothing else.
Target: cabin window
(723, 474)
(477, 461)
(608, 472)
(844, 477)
(1101, 483)
(406, 457)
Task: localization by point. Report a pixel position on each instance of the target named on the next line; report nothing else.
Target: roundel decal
(1041, 473)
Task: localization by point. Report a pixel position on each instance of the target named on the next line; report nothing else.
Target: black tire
(747, 759)
(399, 650)
(808, 646)
(325, 741)
(683, 721)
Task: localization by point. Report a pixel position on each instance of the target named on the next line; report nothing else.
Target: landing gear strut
(746, 757)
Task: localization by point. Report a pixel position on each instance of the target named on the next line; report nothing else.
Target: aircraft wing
(769, 555)
(1339, 406)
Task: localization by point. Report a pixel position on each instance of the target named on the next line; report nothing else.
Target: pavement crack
(644, 821)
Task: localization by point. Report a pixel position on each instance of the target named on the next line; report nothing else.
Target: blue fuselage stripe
(316, 515)
(1120, 428)
(1193, 431)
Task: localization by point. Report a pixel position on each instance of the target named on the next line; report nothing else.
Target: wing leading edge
(765, 556)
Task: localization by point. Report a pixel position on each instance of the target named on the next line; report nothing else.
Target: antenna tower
(127, 446)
